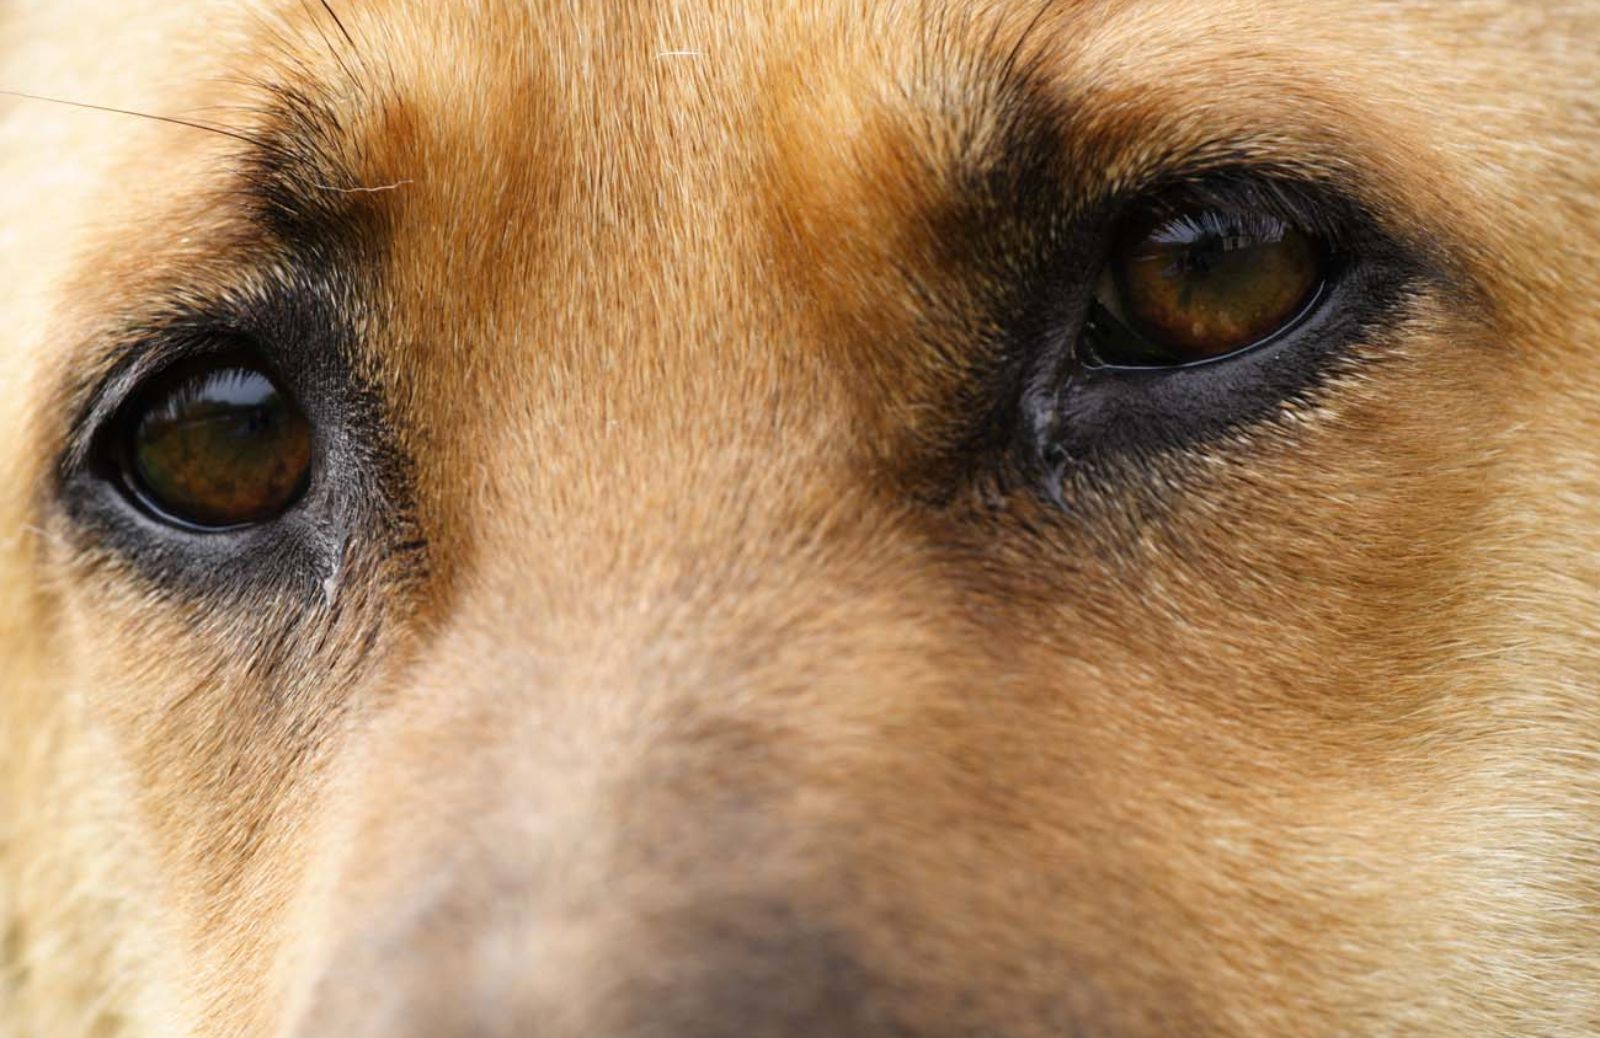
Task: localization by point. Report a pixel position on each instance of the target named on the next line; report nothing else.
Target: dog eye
(1189, 283)
(214, 446)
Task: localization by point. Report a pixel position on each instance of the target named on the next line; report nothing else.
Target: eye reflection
(217, 448)
(1197, 283)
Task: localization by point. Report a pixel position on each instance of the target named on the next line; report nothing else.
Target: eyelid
(1328, 211)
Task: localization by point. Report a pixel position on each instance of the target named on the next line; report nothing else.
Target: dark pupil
(221, 448)
(1203, 257)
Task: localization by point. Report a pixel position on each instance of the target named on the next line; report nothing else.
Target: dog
(928, 518)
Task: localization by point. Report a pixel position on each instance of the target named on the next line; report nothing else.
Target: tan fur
(699, 702)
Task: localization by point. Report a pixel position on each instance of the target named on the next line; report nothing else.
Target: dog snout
(728, 967)
(680, 888)
(649, 835)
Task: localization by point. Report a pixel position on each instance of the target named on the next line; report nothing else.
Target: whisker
(397, 185)
(171, 120)
(327, 41)
(328, 6)
(1013, 63)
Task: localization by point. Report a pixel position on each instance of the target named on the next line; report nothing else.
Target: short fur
(691, 670)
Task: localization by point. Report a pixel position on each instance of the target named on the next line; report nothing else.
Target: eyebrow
(303, 245)
(297, 180)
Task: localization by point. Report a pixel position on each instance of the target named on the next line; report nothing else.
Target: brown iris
(1193, 283)
(218, 447)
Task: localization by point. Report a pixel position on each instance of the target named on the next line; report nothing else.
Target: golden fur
(690, 701)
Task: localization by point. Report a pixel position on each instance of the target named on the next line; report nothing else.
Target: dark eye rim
(117, 440)
(293, 552)
(1325, 290)
(110, 451)
(1096, 423)
(1081, 418)
(1326, 219)
(299, 320)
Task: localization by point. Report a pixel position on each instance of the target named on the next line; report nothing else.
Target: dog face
(704, 569)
